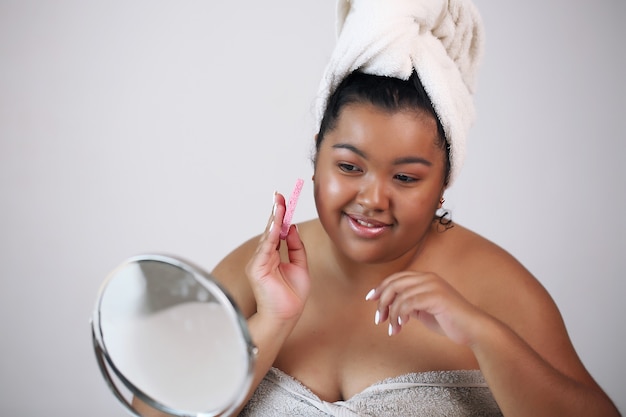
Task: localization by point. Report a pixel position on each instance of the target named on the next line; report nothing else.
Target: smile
(366, 224)
(366, 228)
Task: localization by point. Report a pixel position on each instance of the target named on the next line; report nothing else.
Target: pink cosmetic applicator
(291, 207)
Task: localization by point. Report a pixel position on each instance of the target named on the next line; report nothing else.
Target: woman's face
(379, 177)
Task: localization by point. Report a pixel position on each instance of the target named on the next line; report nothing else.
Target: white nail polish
(370, 294)
(377, 317)
(390, 329)
(274, 204)
(399, 321)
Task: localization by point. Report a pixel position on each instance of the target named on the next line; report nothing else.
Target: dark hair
(389, 94)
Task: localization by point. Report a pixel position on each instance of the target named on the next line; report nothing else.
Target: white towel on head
(442, 40)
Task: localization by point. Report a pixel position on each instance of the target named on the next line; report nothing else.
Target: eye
(403, 178)
(349, 168)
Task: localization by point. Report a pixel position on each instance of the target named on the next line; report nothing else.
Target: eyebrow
(412, 160)
(351, 148)
(398, 161)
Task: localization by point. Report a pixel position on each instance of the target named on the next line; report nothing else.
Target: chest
(336, 350)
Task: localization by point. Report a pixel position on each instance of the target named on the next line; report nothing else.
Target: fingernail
(377, 317)
(370, 294)
(399, 321)
(390, 329)
(274, 203)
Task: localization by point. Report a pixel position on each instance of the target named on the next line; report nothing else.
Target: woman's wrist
(267, 328)
(486, 331)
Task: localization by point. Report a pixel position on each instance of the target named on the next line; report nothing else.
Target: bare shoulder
(498, 283)
(493, 278)
(231, 274)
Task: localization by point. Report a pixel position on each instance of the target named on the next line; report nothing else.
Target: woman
(380, 306)
(448, 299)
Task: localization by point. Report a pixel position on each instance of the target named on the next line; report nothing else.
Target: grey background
(139, 126)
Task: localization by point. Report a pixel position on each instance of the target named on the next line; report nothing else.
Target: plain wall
(139, 126)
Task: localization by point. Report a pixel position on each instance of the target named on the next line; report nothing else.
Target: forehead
(370, 127)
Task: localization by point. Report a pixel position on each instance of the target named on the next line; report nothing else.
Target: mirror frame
(109, 369)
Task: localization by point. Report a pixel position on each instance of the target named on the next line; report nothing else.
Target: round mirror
(165, 332)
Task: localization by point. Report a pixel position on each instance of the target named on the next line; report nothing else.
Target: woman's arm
(278, 289)
(525, 353)
(528, 383)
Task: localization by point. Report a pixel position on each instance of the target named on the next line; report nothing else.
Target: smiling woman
(375, 251)
(374, 159)
(358, 176)
(463, 314)
(129, 126)
(455, 305)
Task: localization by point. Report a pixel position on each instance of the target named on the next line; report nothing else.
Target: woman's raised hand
(280, 288)
(428, 298)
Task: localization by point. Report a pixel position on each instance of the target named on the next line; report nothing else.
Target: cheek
(417, 206)
(329, 190)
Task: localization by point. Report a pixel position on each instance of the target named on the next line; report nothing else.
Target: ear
(441, 197)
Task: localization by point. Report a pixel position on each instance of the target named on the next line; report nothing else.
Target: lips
(366, 227)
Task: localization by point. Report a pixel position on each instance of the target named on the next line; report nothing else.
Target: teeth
(366, 224)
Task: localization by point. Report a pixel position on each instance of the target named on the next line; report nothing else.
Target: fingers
(280, 288)
(432, 300)
(272, 230)
(278, 213)
(266, 255)
(295, 248)
(402, 296)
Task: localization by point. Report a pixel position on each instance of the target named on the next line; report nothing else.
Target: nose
(373, 194)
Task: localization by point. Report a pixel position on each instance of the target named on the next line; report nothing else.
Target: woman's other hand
(428, 298)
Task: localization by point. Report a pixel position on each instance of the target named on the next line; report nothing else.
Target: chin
(368, 252)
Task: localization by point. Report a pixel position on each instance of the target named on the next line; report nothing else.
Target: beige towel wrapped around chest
(440, 393)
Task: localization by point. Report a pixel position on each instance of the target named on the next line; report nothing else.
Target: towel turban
(442, 41)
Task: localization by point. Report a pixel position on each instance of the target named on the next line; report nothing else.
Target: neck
(360, 274)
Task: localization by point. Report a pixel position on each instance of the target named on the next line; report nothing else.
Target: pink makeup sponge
(291, 207)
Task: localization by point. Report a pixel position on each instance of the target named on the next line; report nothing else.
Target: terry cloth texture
(429, 394)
